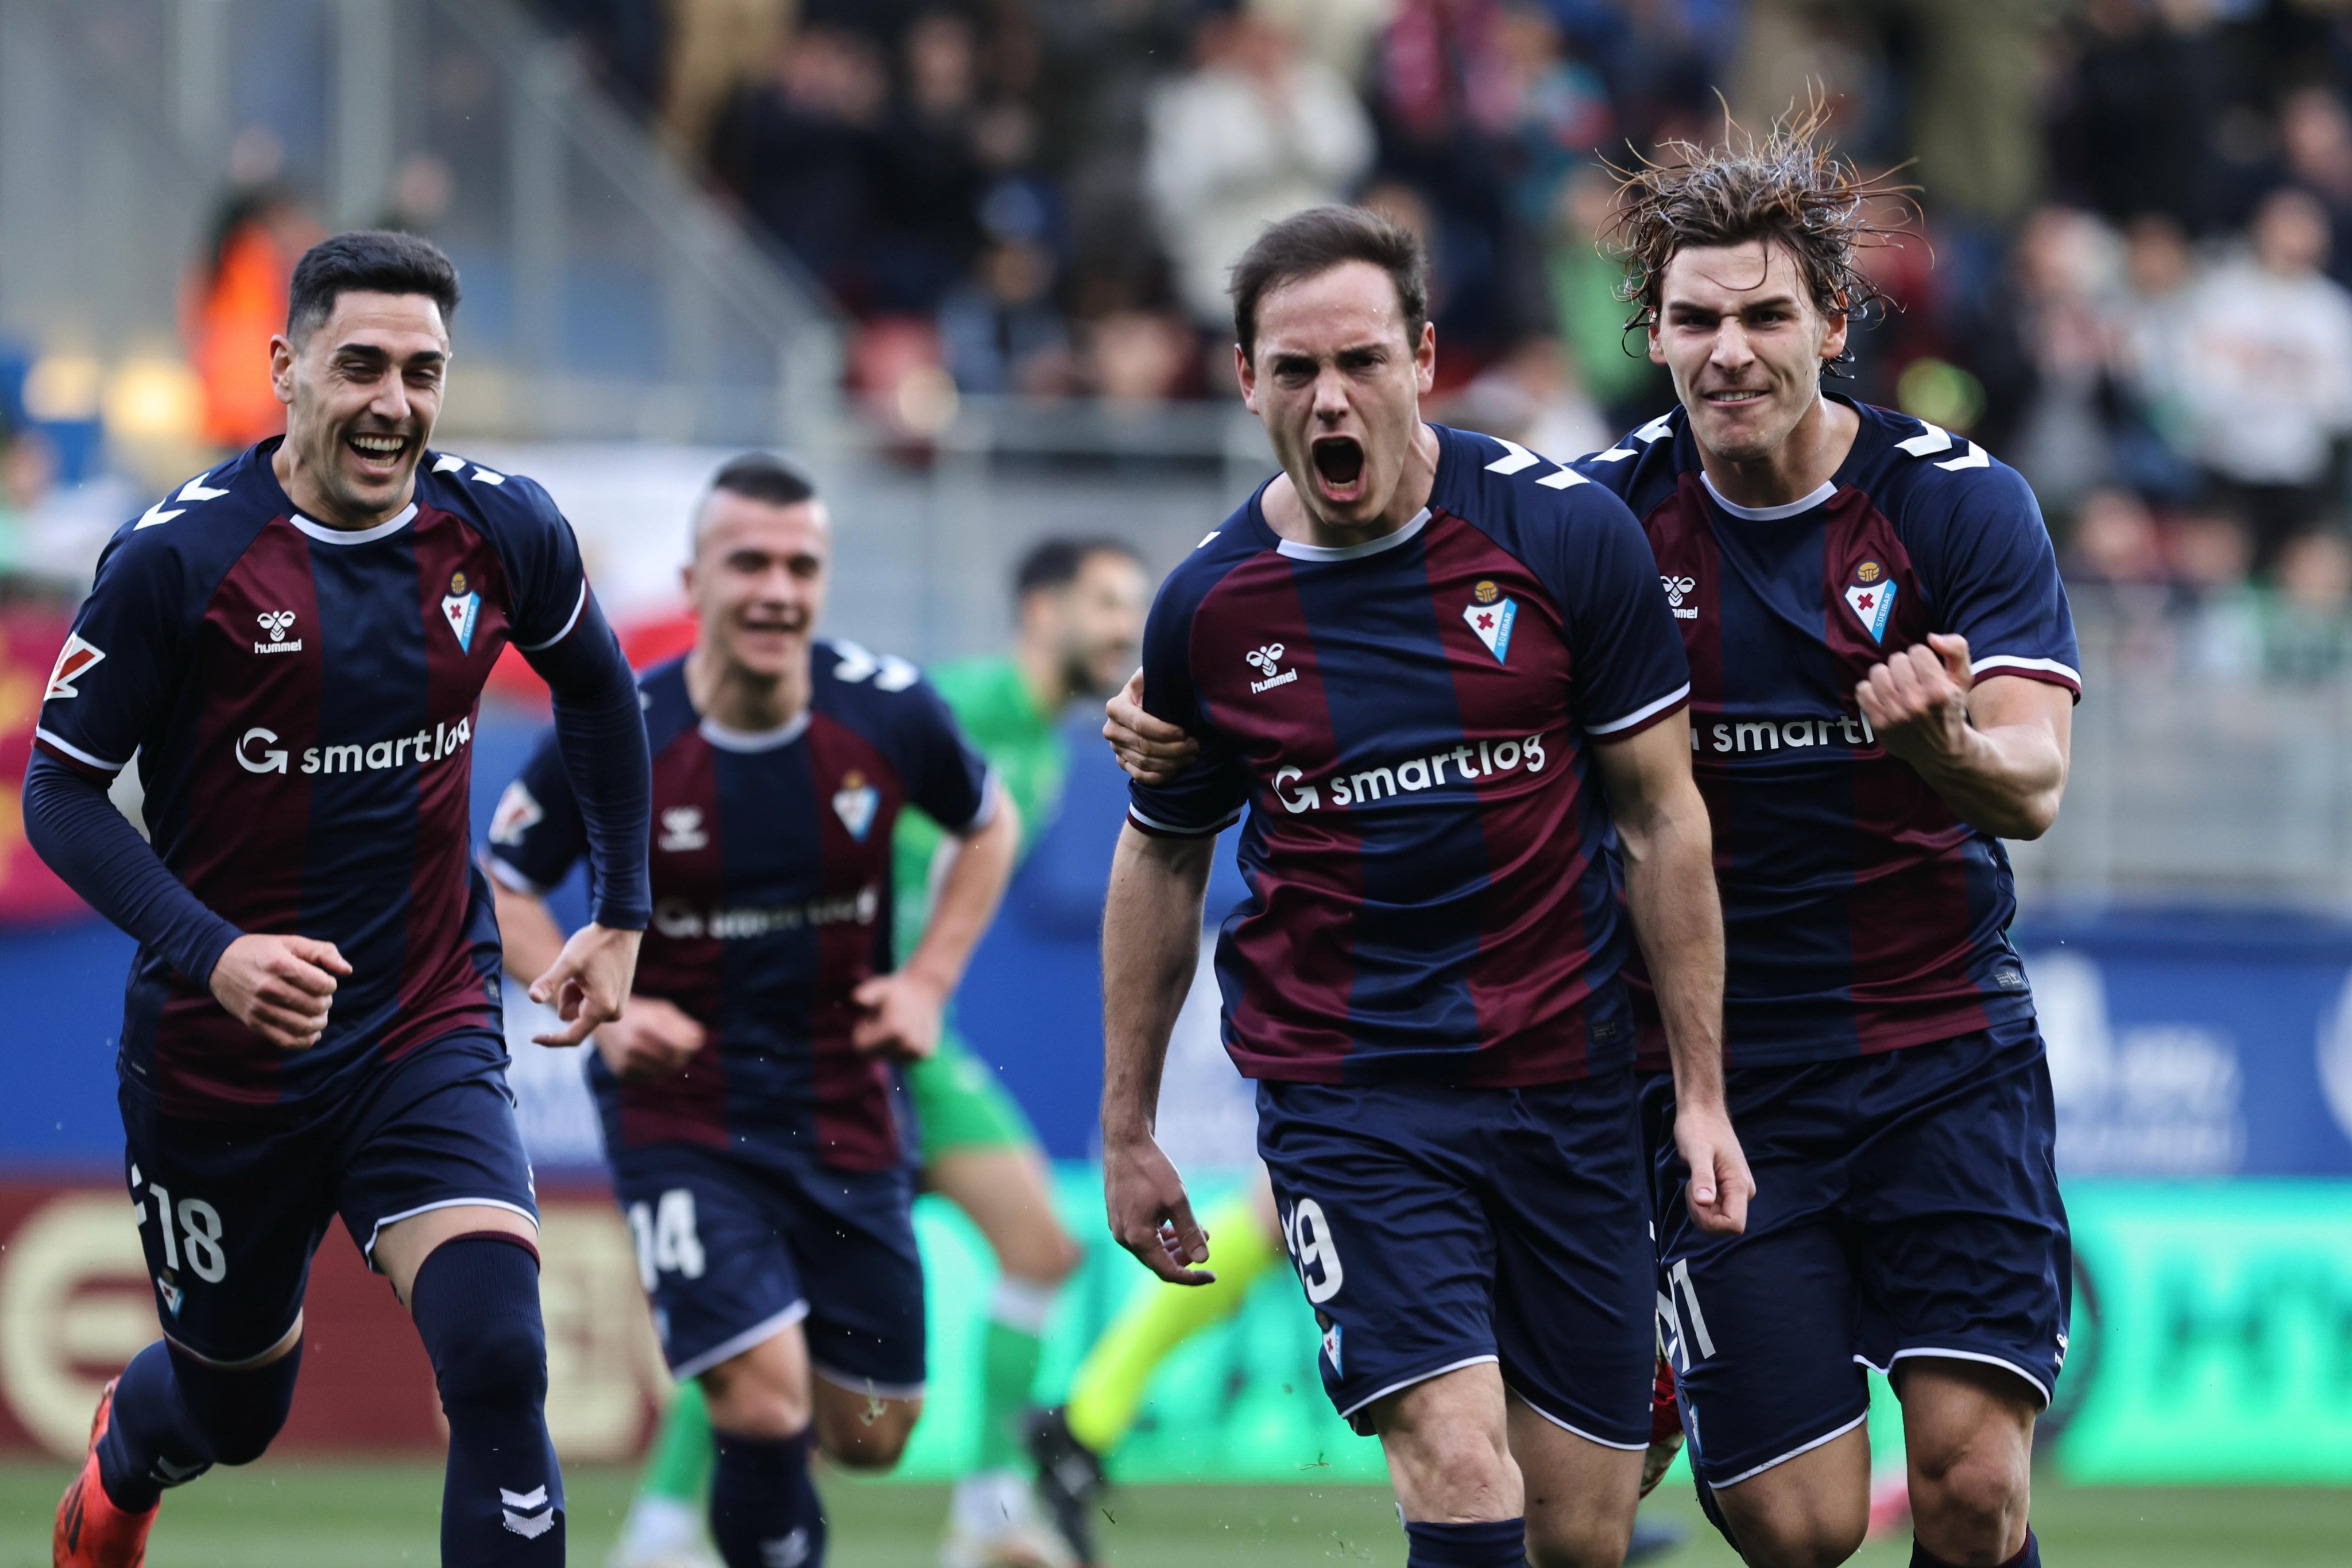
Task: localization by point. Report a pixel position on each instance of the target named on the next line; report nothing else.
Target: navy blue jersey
(1860, 913)
(301, 701)
(1434, 888)
(771, 899)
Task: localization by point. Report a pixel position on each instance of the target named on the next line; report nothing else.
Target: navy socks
(1496, 1543)
(765, 1510)
(476, 1304)
(174, 1417)
(2028, 1556)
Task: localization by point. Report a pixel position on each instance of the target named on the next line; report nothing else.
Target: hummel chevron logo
(1268, 660)
(1516, 458)
(194, 490)
(538, 1516)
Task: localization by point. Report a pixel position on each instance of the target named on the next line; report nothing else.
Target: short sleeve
(1626, 660)
(551, 585)
(115, 673)
(536, 832)
(946, 780)
(1992, 577)
(1207, 798)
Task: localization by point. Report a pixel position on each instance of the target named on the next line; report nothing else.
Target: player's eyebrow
(1782, 300)
(375, 353)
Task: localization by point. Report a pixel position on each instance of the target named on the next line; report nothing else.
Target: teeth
(381, 445)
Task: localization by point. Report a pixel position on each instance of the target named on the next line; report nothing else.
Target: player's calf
(475, 1300)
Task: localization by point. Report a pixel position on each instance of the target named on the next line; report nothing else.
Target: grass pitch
(290, 1514)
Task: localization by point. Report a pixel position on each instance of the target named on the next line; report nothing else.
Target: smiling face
(1339, 382)
(362, 390)
(1745, 342)
(758, 582)
(1090, 629)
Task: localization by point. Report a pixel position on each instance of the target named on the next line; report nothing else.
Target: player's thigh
(1385, 1228)
(1581, 1495)
(711, 1254)
(402, 1247)
(1008, 1192)
(1967, 1430)
(1575, 1306)
(763, 1390)
(228, 1216)
(439, 1135)
(1446, 1440)
(852, 1236)
(1760, 1326)
(1960, 1234)
(1811, 1509)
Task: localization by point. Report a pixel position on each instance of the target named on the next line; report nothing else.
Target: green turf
(287, 1514)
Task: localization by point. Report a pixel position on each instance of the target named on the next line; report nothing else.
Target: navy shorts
(1907, 1205)
(230, 1212)
(737, 1245)
(1437, 1227)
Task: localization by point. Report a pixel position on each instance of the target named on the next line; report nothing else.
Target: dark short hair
(764, 476)
(1056, 563)
(1308, 243)
(367, 261)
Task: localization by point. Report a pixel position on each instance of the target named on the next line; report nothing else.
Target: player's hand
(1720, 1183)
(653, 1040)
(1149, 1214)
(279, 987)
(1152, 751)
(588, 984)
(1918, 701)
(898, 1017)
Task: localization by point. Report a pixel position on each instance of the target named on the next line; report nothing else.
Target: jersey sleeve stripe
(992, 794)
(578, 605)
(2045, 669)
(513, 880)
(73, 753)
(1643, 716)
(1160, 830)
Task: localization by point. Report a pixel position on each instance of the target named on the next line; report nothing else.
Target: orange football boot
(91, 1532)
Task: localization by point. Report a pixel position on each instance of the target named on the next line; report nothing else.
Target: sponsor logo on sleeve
(75, 660)
(1490, 616)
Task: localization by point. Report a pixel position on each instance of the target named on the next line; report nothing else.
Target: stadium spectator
(1252, 133)
(2150, 312)
(233, 303)
(798, 149)
(1531, 395)
(714, 49)
(928, 174)
(2307, 627)
(2135, 129)
(2267, 372)
(2043, 351)
(999, 330)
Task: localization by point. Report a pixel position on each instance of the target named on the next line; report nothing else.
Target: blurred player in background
(294, 645)
(750, 1097)
(1079, 604)
(1424, 980)
(1884, 672)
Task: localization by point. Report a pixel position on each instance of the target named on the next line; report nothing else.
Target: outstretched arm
(1995, 750)
(602, 733)
(1668, 847)
(1152, 944)
(902, 1009)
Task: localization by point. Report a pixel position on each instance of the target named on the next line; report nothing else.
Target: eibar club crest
(1490, 616)
(855, 803)
(461, 609)
(1871, 597)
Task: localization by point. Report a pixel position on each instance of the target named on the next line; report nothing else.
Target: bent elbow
(2033, 818)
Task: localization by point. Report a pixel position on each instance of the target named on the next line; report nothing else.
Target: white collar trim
(327, 536)
(746, 740)
(1819, 496)
(1297, 551)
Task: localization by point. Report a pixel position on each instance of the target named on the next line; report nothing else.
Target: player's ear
(1424, 359)
(1246, 374)
(282, 352)
(1835, 324)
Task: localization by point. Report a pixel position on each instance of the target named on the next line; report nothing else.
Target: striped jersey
(1409, 724)
(772, 882)
(1860, 913)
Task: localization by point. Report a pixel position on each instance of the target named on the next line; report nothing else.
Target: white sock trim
(1022, 1305)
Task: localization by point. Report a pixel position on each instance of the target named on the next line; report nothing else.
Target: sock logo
(791, 1552)
(538, 1515)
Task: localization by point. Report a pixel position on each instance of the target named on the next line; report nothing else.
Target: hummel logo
(538, 1516)
(682, 829)
(1266, 658)
(1675, 587)
(277, 623)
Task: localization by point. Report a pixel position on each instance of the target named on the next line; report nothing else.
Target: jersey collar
(1297, 551)
(327, 536)
(749, 740)
(1819, 496)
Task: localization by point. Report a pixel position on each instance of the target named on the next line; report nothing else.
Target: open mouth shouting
(1339, 468)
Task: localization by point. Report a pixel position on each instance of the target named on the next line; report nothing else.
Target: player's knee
(501, 1362)
(475, 1305)
(871, 1437)
(240, 1412)
(1051, 1257)
(1971, 1496)
(1795, 1527)
(1460, 1471)
(755, 1396)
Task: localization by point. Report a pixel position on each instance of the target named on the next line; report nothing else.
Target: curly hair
(1789, 188)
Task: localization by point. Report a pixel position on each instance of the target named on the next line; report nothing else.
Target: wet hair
(367, 261)
(1790, 189)
(1056, 563)
(758, 476)
(1309, 243)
